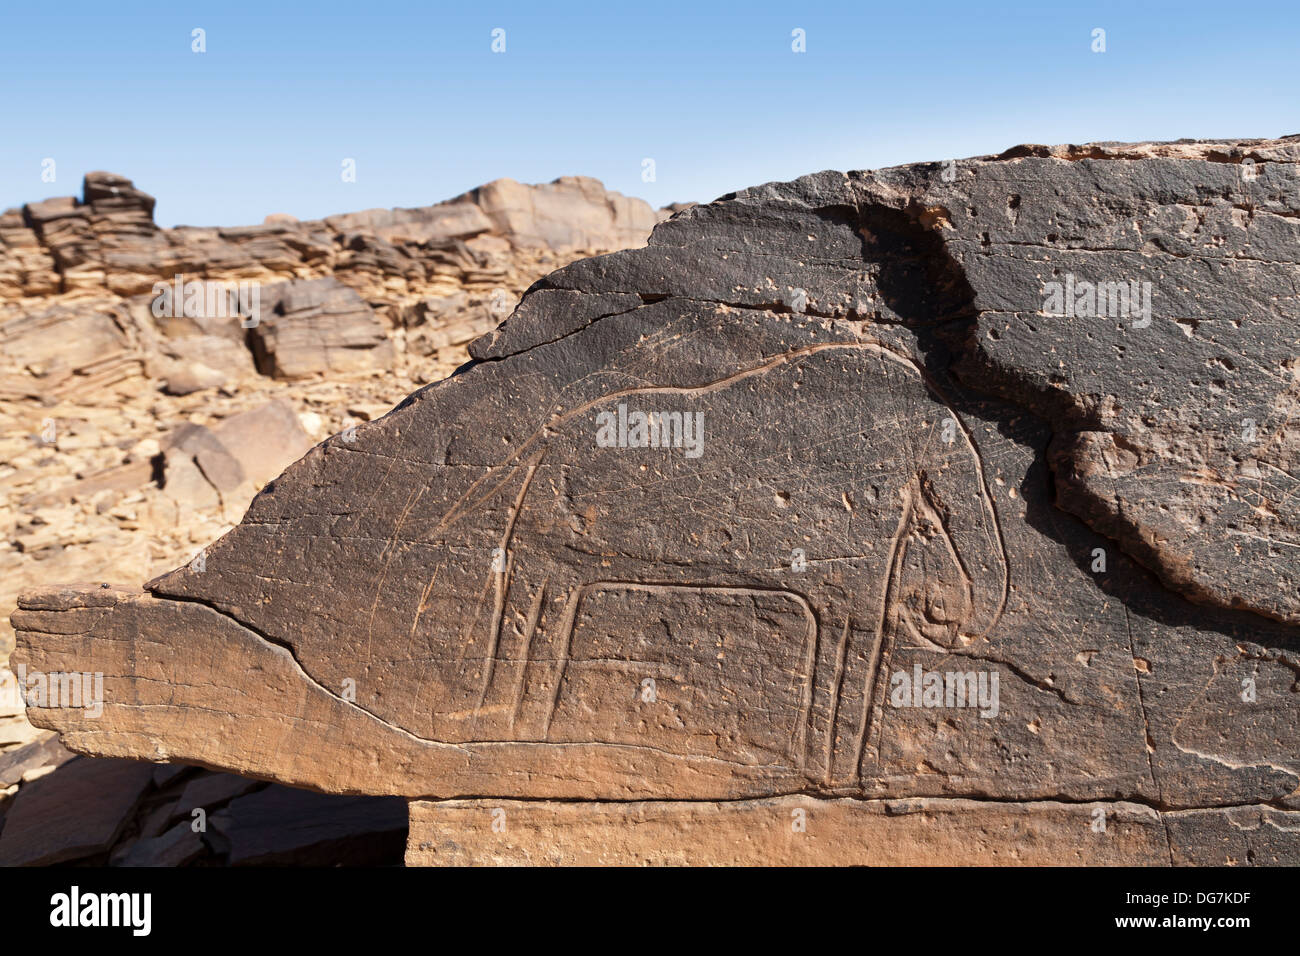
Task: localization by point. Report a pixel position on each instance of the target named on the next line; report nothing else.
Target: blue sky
(713, 93)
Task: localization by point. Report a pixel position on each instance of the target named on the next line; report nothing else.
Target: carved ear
(947, 571)
(930, 594)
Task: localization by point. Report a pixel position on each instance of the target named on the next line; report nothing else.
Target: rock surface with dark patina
(950, 503)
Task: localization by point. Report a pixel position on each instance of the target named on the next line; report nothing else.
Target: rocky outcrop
(135, 428)
(60, 351)
(108, 241)
(572, 214)
(319, 325)
(115, 335)
(338, 294)
(86, 811)
(911, 508)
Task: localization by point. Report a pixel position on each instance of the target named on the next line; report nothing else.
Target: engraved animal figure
(832, 534)
(723, 617)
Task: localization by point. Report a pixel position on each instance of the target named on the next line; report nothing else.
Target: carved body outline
(526, 456)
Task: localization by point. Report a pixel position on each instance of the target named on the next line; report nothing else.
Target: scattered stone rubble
(133, 433)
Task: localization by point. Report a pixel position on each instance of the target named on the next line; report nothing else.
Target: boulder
(319, 326)
(263, 440)
(841, 496)
(573, 212)
(45, 751)
(279, 826)
(73, 813)
(223, 466)
(176, 847)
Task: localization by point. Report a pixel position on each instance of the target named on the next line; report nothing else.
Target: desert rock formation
(134, 431)
(937, 513)
(355, 311)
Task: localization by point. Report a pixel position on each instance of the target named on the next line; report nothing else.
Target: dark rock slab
(1174, 410)
(889, 458)
(283, 826)
(45, 752)
(155, 822)
(74, 812)
(209, 791)
(164, 774)
(176, 847)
